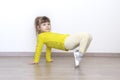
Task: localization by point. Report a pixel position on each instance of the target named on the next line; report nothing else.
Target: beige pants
(81, 41)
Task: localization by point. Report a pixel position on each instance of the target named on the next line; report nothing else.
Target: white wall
(101, 18)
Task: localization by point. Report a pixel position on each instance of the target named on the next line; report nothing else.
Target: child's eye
(44, 24)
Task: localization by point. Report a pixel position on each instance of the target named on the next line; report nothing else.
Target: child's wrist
(50, 60)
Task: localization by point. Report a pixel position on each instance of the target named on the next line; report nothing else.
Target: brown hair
(38, 21)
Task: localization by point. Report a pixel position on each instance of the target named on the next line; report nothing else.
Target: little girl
(59, 41)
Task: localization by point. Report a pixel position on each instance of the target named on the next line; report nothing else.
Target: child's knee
(87, 35)
(90, 37)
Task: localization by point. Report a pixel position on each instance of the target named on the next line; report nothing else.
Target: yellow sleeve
(38, 50)
(48, 54)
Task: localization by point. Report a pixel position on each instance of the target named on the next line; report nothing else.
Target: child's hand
(34, 63)
(50, 60)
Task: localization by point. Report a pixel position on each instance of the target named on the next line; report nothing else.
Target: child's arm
(48, 54)
(38, 50)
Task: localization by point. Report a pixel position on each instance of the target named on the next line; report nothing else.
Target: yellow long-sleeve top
(51, 40)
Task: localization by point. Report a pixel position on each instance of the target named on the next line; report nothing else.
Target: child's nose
(48, 27)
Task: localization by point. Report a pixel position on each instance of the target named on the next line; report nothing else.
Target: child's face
(45, 27)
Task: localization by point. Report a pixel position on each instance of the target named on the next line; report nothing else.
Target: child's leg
(82, 40)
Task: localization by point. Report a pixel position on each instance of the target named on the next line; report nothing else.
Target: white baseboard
(16, 53)
(59, 54)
